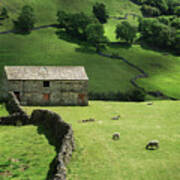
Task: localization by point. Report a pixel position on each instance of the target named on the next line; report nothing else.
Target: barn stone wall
(60, 92)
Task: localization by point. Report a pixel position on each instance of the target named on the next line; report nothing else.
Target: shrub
(135, 95)
(177, 11)
(156, 33)
(126, 31)
(4, 13)
(150, 11)
(176, 23)
(164, 19)
(95, 35)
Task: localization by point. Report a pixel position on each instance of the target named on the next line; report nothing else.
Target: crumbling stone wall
(15, 119)
(62, 134)
(60, 131)
(13, 105)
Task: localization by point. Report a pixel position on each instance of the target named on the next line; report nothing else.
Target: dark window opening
(17, 94)
(46, 84)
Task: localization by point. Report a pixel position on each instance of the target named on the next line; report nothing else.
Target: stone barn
(48, 85)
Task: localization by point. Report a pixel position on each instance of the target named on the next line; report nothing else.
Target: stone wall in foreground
(60, 133)
(13, 104)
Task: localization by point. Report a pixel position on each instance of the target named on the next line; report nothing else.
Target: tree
(25, 21)
(79, 22)
(150, 11)
(177, 11)
(4, 13)
(176, 45)
(156, 33)
(161, 4)
(176, 23)
(126, 31)
(63, 19)
(74, 24)
(164, 19)
(99, 10)
(95, 35)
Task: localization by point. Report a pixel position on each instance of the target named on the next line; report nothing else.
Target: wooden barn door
(81, 99)
(46, 96)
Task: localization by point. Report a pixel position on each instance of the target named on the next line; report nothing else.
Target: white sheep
(153, 144)
(116, 117)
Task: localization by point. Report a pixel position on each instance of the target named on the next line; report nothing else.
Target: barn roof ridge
(45, 73)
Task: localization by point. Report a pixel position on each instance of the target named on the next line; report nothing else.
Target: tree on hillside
(75, 24)
(25, 21)
(157, 33)
(176, 23)
(79, 22)
(99, 10)
(177, 11)
(63, 19)
(150, 11)
(126, 31)
(4, 13)
(95, 35)
(161, 4)
(172, 5)
(176, 45)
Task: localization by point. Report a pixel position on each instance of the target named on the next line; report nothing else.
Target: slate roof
(45, 73)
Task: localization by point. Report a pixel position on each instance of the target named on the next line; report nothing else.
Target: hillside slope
(44, 47)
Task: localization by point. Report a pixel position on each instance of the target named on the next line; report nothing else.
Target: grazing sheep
(116, 117)
(88, 120)
(152, 145)
(149, 103)
(116, 136)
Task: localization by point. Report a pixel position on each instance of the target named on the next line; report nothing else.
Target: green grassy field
(163, 70)
(98, 157)
(46, 10)
(25, 153)
(3, 111)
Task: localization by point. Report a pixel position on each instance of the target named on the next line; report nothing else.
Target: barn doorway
(46, 96)
(17, 94)
(81, 99)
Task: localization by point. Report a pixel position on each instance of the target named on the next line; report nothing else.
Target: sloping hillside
(44, 47)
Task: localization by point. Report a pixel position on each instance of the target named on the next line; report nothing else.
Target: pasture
(98, 157)
(25, 153)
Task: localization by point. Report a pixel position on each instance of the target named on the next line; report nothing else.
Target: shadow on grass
(84, 47)
(163, 51)
(67, 37)
(52, 141)
(116, 45)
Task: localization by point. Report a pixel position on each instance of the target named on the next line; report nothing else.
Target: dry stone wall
(13, 105)
(62, 134)
(60, 131)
